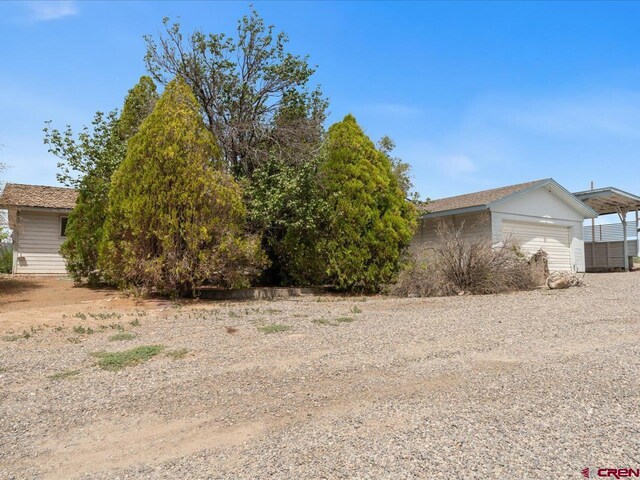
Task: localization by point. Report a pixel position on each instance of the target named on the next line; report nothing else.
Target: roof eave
(455, 211)
(39, 209)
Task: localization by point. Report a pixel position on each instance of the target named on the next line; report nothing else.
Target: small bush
(6, 259)
(457, 265)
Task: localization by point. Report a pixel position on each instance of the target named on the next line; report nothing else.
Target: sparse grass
(333, 323)
(59, 329)
(274, 328)
(135, 323)
(231, 330)
(178, 353)
(356, 309)
(115, 361)
(118, 337)
(80, 330)
(81, 316)
(63, 375)
(12, 338)
(116, 326)
(324, 321)
(74, 340)
(105, 315)
(345, 319)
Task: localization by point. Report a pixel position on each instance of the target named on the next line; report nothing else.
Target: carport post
(622, 213)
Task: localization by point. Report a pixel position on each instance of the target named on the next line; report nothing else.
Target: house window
(63, 226)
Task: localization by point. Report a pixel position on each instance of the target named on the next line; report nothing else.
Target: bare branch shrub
(460, 263)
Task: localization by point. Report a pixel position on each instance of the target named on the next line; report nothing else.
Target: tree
(175, 220)
(88, 163)
(286, 205)
(4, 221)
(243, 84)
(401, 170)
(370, 221)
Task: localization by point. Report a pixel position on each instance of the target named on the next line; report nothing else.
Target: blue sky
(475, 95)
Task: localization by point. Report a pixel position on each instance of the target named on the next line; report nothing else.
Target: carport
(611, 245)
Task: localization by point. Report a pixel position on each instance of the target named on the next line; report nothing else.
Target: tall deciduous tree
(370, 221)
(243, 84)
(175, 221)
(88, 162)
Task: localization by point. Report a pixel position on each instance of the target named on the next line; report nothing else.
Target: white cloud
(46, 10)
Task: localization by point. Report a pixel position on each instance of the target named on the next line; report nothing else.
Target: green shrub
(370, 222)
(286, 205)
(176, 220)
(6, 259)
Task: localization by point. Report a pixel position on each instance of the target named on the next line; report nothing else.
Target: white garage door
(552, 239)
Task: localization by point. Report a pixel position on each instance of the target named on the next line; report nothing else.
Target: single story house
(38, 219)
(539, 214)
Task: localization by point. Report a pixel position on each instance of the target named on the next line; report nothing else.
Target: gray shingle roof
(476, 199)
(40, 196)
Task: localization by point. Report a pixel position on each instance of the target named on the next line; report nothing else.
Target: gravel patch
(532, 385)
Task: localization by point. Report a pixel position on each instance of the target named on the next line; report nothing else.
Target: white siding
(476, 226)
(37, 243)
(542, 207)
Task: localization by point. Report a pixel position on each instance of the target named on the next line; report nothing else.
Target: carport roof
(37, 196)
(609, 199)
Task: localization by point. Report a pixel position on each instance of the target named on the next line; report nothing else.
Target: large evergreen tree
(88, 163)
(176, 220)
(370, 221)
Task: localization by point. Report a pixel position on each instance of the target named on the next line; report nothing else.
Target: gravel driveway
(535, 385)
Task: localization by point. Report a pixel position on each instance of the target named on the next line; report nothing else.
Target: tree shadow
(13, 286)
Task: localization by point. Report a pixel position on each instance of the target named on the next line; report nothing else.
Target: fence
(608, 249)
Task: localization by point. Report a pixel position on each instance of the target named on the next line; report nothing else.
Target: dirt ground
(532, 385)
(28, 301)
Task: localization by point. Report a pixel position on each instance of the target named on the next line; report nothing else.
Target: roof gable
(37, 196)
(476, 200)
(488, 199)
